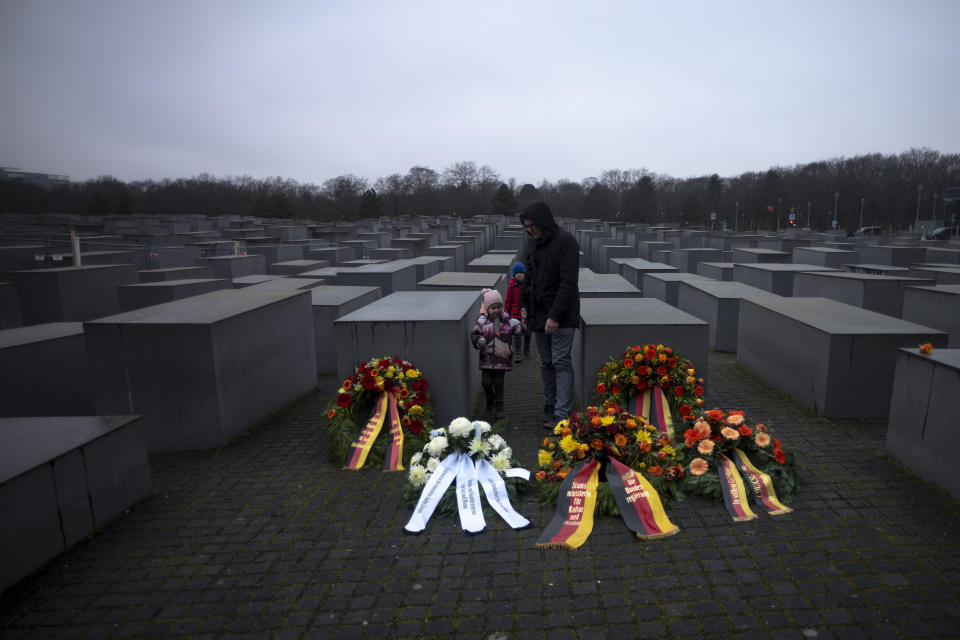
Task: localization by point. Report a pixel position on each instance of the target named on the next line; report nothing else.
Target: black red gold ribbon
(652, 406)
(638, 501)
(386, 406)
(761, 486)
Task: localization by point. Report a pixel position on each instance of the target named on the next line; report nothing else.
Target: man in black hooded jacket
(551, 301)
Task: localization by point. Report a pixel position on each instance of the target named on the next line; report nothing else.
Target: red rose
(780, 456)
(641, 385)
(615, 390)
(642, 370)
(685, 409)
(383, 364)
(776, 443)
(661, 370)
(698, 390)
(628, 363)
(662, 455)
(601, 388)
(672, 362)
(367, 382)
(651, 355)
(416, 426)
(344, 400)
(678, 390)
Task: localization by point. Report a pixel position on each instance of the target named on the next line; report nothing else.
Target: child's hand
(481, 342)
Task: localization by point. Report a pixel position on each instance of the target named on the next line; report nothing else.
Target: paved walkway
(266, 538)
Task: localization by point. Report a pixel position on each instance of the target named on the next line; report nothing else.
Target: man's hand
(481, 342)
(550, 326)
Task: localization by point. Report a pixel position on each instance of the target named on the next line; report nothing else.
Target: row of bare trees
(875, 189)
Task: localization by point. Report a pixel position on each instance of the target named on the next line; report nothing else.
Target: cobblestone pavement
(267, 538)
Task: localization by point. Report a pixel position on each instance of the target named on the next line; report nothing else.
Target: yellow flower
(607, 420)
(670, 451)
(544, 458)
(416, 410)
(413, 374)
(662, 357)
(569, 445)
(643, 436)
(341, 390)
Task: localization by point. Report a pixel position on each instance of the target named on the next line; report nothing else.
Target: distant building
(45, 180)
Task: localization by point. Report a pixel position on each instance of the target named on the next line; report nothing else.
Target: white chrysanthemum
(479, 445)
(436, 446)
(496, 442)
(432, 465)
(506, 453)
(484, 426)
(415, 458)
(500, 462)
(417, 475)
(460, 428)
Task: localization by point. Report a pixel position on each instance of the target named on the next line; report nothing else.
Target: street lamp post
(736, 216)
(861, 211)
(808, 214)
(933, 213)
(916, 224)
(778, 213)
(836, 201)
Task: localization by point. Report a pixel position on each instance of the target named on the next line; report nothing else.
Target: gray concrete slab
(491, 263)
(824, 256)
(897, 256)
(174, 273)
(60, 479)
(747, 255)
(289, 284)
(937, 307)
(330, 303)
(430, 329)
(883, 294)
(463, 281)
(773, 277)
(44, 371)
(69, 294)
(922, 431)
(147, 294)
(845, 366)
(203, 369)
(718, 303)
(686, 259)
(611, 324)
(663, 285)
(605, 285)
(10, 316)
(632, 269)
(389, 276)
(722, 271)
(231, 267)
(295, 267)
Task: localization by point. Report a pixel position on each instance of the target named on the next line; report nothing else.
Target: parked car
(943, 233)
(869, 231)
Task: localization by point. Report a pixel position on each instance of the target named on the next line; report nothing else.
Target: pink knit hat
(490, 296)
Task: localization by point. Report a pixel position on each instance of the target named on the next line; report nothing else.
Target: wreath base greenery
(343, 433)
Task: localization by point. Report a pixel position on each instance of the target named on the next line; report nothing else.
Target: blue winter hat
(518, 268)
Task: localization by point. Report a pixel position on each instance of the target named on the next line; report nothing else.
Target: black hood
(539, 214)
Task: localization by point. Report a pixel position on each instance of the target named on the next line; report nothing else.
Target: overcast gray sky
(310, 90)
